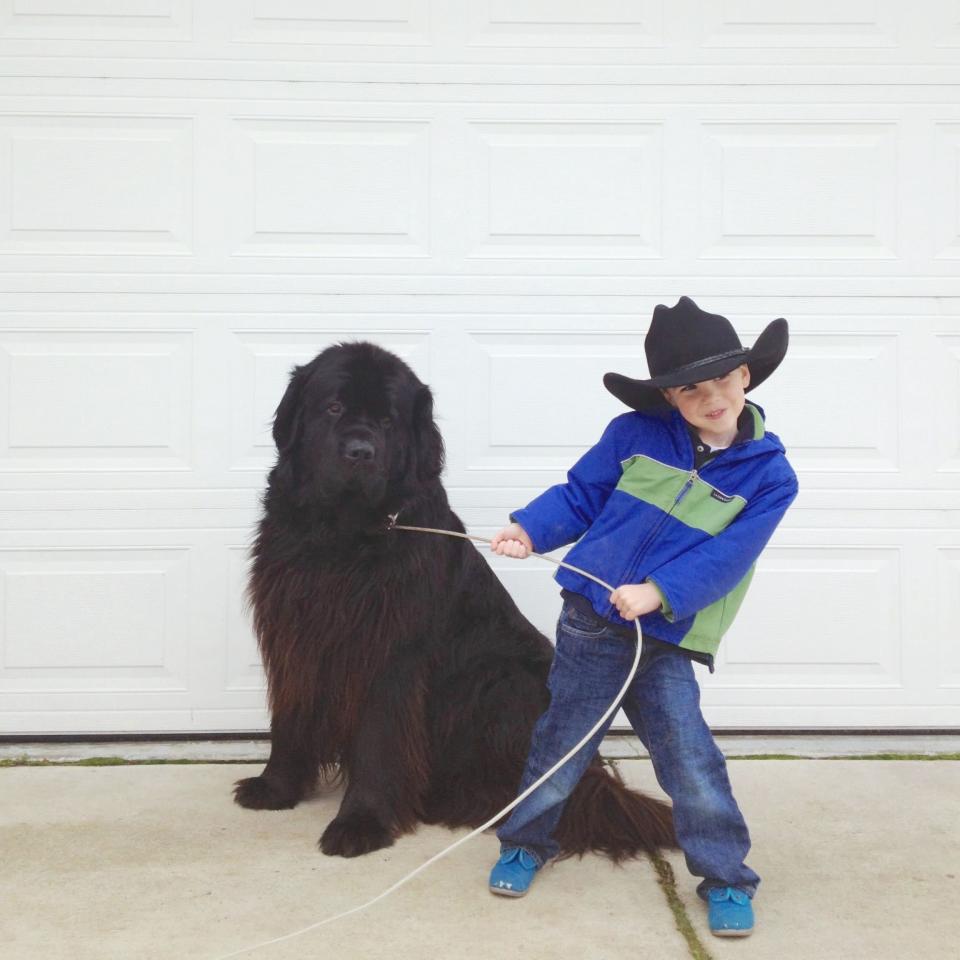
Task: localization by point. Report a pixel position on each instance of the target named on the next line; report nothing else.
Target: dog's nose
(358, 451)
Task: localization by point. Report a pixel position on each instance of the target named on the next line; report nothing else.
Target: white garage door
(196, 195)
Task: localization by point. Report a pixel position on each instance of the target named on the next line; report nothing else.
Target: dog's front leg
(291, 770)
(387, 766)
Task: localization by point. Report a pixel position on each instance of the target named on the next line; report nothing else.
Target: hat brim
(762, 359)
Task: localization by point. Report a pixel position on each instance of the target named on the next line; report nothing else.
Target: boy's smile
(712, 407)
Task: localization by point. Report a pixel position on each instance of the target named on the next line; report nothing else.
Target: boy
(683, 545)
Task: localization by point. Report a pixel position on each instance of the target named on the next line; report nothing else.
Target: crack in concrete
(668, 884)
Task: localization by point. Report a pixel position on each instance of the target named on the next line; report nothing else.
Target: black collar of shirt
(703, 454)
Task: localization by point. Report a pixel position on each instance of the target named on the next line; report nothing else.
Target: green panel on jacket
(711, 623)
(702, 507)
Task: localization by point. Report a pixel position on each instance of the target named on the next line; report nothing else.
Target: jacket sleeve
(561, 514)
(711, 570)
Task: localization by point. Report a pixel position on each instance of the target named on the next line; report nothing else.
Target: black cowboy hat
(686, 345)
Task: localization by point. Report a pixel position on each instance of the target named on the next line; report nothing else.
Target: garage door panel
(703, 31)
(948, 616)
(370, 23)
(108, 185)
(852, 428)
(945, 367)
(486, 187)
(197, 196)
(801, 24)
(331, 188)
(97, 400)
(577, 189)
(116, 400)
(853, 639)
(520, 433)
(535, 23)
(129, 20)
(120, 629)
(98, 619)
(800, 189)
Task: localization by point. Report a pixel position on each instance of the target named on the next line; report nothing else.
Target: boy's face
(711, 407)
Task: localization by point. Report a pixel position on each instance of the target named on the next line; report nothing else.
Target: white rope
(526, 793)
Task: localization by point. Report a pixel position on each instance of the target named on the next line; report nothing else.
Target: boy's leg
(588, 669)
(663, 706)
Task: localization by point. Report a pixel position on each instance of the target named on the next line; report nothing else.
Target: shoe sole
(732, 933)
(504, 892)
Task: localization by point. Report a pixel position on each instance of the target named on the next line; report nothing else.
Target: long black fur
(397, 660)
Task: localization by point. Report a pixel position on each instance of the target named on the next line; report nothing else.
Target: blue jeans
(663, 706)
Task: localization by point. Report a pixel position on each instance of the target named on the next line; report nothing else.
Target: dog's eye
(335, 407)
(386, 422)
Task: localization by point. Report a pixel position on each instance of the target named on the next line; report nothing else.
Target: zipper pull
(685, 488)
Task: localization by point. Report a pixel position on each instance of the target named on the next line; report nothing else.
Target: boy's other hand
(512, 541)
(633, 600)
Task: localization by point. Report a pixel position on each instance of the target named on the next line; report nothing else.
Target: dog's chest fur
(329, 626)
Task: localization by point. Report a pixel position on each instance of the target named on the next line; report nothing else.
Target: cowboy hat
(686, 345)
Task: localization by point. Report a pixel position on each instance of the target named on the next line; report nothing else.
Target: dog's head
(355, 429)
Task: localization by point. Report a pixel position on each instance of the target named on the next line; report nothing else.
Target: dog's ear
(287, 419)
(429, 442)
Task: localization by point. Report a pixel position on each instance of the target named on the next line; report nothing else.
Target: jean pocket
(583, 624)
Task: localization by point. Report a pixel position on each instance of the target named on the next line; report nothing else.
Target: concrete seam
(668, 884)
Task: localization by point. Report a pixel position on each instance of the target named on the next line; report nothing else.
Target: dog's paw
(354, 835)
(259, 793)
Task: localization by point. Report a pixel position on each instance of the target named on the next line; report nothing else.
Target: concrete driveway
(859, 858)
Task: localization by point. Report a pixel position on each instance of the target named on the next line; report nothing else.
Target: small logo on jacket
(722, 497)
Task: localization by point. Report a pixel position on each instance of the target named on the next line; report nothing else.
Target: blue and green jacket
(641, 512)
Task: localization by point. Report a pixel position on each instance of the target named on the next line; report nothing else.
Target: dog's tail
(605, 816)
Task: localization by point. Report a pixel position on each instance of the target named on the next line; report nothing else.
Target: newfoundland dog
(397, 659)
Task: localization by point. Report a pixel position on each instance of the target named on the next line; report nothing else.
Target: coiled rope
(526, 793)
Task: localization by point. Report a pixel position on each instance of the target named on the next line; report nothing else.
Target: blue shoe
(731, 913)
(513, 873)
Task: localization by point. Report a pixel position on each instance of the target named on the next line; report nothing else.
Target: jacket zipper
(684, 490)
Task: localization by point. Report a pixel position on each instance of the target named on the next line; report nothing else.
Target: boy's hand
(633, 600)
(512, 541)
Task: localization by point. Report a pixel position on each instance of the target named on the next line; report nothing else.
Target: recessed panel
(850, 637)
(800, 23)
(96, 19)
(95, 400)
(96, 185)
(544, 402)
(90, 617)
(566, 23)
(947, 191)
(947, 670)
(367, 22)
(946, 24)
(565, 190)
(946, 399)
(782, 190)
(852, 426)
(327, 188)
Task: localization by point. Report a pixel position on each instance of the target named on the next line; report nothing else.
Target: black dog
(397, 658)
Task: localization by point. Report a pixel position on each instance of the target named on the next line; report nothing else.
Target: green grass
(26, 761)
(668, 884)
(852, 756)
(105, 762)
